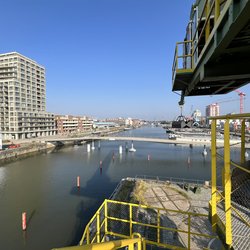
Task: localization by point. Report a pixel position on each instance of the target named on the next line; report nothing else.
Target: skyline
(116, 56)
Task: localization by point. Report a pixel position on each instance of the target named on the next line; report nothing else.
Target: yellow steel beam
(207, 29)
(242, 157)
(213, 181)
(155, 208)
(106, 216)
(130, 220)
(233, 116)
(217, 9)
(227, 183)
(105, 245)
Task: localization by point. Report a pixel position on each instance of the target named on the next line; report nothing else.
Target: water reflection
(45, 186)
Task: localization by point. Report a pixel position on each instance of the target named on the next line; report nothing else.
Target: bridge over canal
(183, 141)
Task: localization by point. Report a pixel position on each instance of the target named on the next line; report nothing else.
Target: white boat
(132, 149)
(127, 128)
(172, 136)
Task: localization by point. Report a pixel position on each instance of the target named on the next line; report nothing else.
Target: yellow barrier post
(217, 9)
(207, 30)
(130, 220)
(131, 247)
(106, 216)
(98, 226)
(189, 235)
(227, 183)
(243, 128)
(213, 168)
(88, 235)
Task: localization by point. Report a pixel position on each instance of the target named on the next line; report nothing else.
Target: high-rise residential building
(213, 110)
(23, 98)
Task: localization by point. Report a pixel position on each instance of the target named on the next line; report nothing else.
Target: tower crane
(241, 95)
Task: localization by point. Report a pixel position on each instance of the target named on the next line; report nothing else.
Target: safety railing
(120, 220)
(183, 58)
(135, 243)
(230, 210)
(201, 31)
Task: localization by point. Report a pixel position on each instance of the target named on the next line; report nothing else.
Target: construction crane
(241, 95)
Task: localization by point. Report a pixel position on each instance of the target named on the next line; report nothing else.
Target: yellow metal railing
(200, 36)
(121, 220)
(136, 242)
(225, 222)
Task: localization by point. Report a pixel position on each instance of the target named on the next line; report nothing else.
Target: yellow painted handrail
(225, 223)
(116, 244)
(105, 218)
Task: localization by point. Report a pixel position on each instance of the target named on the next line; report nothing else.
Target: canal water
(44, 186)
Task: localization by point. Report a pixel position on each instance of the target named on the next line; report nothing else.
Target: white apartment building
(23, 98)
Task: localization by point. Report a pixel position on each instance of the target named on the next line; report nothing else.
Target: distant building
(196, 115)
(120, 121)
(100, 124)
(213, 110)
(128, 122)
(68, 124)
(23, 98)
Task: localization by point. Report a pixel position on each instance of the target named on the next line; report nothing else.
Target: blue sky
(105, 58)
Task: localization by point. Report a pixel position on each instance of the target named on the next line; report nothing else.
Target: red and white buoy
(78, 181)
(24, 224)
(148, 157)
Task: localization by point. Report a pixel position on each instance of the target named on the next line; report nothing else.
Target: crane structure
(241, 95)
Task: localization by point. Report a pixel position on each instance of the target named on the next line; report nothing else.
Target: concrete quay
(25, 150)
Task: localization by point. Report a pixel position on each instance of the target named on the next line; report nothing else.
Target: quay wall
(24, 151)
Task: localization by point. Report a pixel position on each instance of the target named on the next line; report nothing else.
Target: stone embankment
(24, 151)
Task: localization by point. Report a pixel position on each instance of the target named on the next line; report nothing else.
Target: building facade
(213, 110)
(23, 98)
(68, 124)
